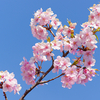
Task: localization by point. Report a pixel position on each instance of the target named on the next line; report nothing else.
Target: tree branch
(65, 54)
(49, 28)
(37, 83)
(84, 49)
(51, 79)
(51, 32)
(5, 96)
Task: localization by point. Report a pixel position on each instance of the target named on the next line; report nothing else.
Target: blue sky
(16, 42)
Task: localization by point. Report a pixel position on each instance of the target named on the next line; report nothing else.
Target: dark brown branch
(1, 85)
(51, 79)
(49, 28)
(82, 49)
(51, 32)
(65, 54)
(37, 83)
(5, 96)
(78, 66)
(42, 72)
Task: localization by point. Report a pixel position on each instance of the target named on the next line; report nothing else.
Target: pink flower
(28, 71)
(85, 34)
(48, 54)
(57, 64)
(10, 76)
(39, 32)
(87, 54)
(89, 73)
(7, 86)
(36, 18)
(38, 12)
(9, 83)
(57, 45)
(71, 71)
(49, 12)
(67, 44)
(17, 89)
(97, 13)
(72, 25)
(67, 31)
(65, 63)
(44, 19)
(68, 81)
(89, 62)
(75, 42)
(55, 23)
(42, 51)
(61, 63)
(86, 24)
(91, 42)
(2, 76)
(91, 16)
(60, 30)
(80, 52)
(80, 76)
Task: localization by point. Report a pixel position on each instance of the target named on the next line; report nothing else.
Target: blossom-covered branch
(81, 45)
(39, 80)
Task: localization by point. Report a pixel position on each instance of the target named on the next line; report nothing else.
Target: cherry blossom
(81, 45)
(88, 54)
(61, 63)
(57, 45)
(89, 62)
(9, 83)
(39, 32)
(28, 71)
(80, 76)
(71, 71)
(67, 31)
(68, 81)
(55, 22)
(42, 51)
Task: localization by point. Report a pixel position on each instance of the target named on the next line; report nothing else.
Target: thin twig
(51, 79)
(51, 32)
(42, 72)
(82, 49)
(5, 96)
(65, 54)
(49, 28)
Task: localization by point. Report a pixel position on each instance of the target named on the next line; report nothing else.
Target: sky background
(16, 42)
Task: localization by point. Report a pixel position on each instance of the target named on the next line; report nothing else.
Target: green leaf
(75, 62)
(96, 37)
(72, 35)
(48, 39)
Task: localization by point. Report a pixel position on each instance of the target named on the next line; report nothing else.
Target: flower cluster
(28, 71)
(8, 82)
(61, 63)
(42, 51)
(65, 40)
(73, 74)
(94, 17)
(41, 19)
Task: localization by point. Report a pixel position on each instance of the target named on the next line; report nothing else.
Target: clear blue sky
(16, 41)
